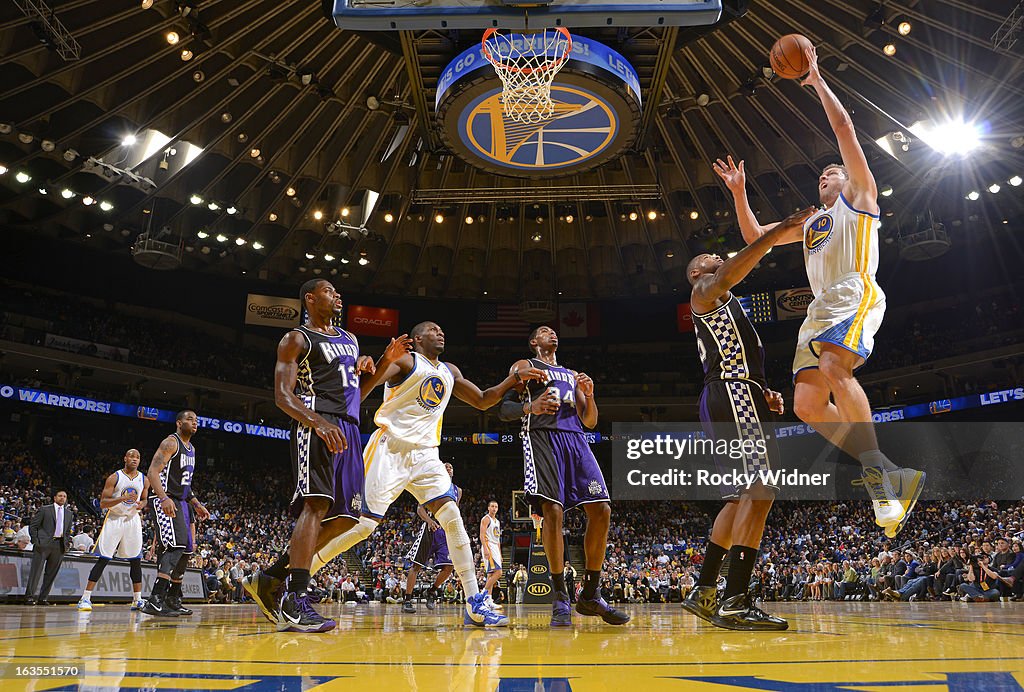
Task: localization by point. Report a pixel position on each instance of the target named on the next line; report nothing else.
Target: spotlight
(731, 255)
(973, 195)
(106, 206)
(240, 241)
(25, 138)
(694, 214)
(388, 217)
(202, 234)
(318, 215)
(254, 153)
(363, 261)
(42, 190)
(195, 199)
(994, 188)
(88, 201)
(536, 237)
(146, 4)
(213, 206)
(128, 141)
(5, 128)
(186, 55)
(344, 260)
(221, 238)
(540, 219)
(226, 117)
(328, 257)
(231, 210)
(47, 145)
(633, 216)
(198, 76)
(372, 102)
(652, 215)
(310, 255)
(290, 192)
(172, 37)
(272, 216)
(1015, 181)
(889, 49)
(243, 138)
(66, 193)
(904, 28)
(569, 218)
(670, 254)
(345, 211)
(469, 220)
(70, 155)
(886, 191)
(703, 100)
(257, 245)
(439, 218)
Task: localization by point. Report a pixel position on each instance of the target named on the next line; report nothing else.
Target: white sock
(357, 534)
(87, 596)
(450, 519)
(874, 457)
(138, 596)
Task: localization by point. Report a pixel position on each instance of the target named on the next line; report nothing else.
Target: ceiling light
(70, 155)
(345, 211)
(328, 257)
(3, 169)
(195, 199)
(172, 37)
(344, 260)
(146, 4)
(973, 195)
(88, 201)
(485, 292)
(203, 234)
(469, 219)
(198, 76)
(767, 71)
(22, 177)
(106, 206)
(536, 237)
(652, 215)
(633, 216)
(242, 137)
(226, 117)
(231, 210)
(221, 238)
(257, 245)
(952, 137)
(290, 192)
(889, 49)
(254, 153)
(703, 100)
(388, 217)
(66, 193)
(47, 145)
(904, 28)
(372, 102)
(694, 214)
(569, 218)
(886, 191)
(540, 219)
(994, 188)
(310, 255)
(129, 140)
(240, 241)
(186, 55)
(731, 254)
(25, 138)
(213, 206)
(42, 190)
(318, 215)
(1015, 181)
(363, 261)
(272, 216)
(670, 254)
(439, 218)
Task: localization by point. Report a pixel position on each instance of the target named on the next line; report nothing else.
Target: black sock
(408, 596)
(741, 566)
(591, 580)
(714, 556)
(558, 582)
(160, 587)
(298, 581)
(175, 589)
(278, 570)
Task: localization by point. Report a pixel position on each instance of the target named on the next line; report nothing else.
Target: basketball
(788, 58)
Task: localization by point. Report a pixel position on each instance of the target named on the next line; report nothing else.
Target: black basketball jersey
(563, 381)
(177, 474)
(728, 344)
(327, 380)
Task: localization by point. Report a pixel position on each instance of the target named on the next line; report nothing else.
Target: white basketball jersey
(127, 508)
(413, 409)
(839, 241)
(494, 536)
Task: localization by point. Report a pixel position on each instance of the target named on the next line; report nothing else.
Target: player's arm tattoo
(160, 458)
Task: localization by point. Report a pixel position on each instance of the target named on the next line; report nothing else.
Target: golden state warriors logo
(581, 128)
(818, 233)
(431, 393)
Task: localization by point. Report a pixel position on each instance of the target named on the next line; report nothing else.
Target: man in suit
(50, 530)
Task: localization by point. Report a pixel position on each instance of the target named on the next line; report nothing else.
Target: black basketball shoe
(298, 615)
(265, 592)
(155, 605)
(701, 601)
(739, 613)
(173, 602)
(431, 599)
(599, 607)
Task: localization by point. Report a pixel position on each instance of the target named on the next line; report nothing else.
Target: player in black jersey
(170, 478)
(735, 402)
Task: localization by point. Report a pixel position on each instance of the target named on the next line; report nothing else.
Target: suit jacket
(44, 525)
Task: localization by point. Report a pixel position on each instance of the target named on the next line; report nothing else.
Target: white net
(527, 64)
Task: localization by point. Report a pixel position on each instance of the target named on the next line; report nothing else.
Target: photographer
(980, 581)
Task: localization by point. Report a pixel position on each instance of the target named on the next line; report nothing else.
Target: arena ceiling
(275, 99)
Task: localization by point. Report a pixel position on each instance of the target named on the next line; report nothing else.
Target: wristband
(515, 371)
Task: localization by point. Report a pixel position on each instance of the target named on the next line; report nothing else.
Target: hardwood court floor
(829, 646)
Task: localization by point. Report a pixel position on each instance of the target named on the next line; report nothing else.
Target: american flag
(500, 321)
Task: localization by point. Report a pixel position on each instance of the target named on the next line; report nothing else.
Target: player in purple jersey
(317, 383)
(170, 477)
(560, 470)
(734, 404)
(430, 545)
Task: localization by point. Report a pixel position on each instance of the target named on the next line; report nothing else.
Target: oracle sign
(371, 321)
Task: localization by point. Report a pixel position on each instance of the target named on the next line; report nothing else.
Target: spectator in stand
(980, 581)
(83, 542)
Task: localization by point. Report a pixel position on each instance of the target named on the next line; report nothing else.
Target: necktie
(60, 522)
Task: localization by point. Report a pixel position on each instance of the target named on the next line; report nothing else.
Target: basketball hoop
(538, 522)
(527, 65)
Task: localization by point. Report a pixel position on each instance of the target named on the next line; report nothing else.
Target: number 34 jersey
(327, 379)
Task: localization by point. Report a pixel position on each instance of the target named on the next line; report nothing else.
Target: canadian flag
(578, 320)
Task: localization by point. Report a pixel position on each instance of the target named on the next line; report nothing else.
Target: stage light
(886, 191)
(203, 234)
(290, 192)
(310, 255)
(88, 201)
(469, 220)
(994, 188)
(569, 218)
(146, 4)
(221, 238)
(388, 217)
(328, 257)
(345, 211)
(257, 245)
(439, 218)
(318, 215)
(694, 214)
(889, 49)
(254, 153)
(66, 193)
(345, 260)
(363, 261)
(106, 206)
(47, 145)
(240, 241)
(172, 37)
(953, 137)
(213, 206)
(633, 216)
(272, 216)
(231, 210)
(129, 140)
(22, 177)
(186, 55)
(1015, 181)
(652, 215)
(973, 195)
(904, 28)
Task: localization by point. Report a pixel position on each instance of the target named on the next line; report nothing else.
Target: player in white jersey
(124, 496)
(490, 547)
(840, 245)
(402, 454)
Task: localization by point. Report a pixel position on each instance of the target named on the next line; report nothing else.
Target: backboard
(402, 15)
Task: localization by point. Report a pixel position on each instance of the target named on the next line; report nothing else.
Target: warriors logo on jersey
(818, 233)
(431, 393)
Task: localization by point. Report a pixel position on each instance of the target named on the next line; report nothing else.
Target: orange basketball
(788, 58)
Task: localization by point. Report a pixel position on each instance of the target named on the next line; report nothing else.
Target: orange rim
(526, 70)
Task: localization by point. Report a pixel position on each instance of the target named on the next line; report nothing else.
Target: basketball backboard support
(521, 508)
(406, 15)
